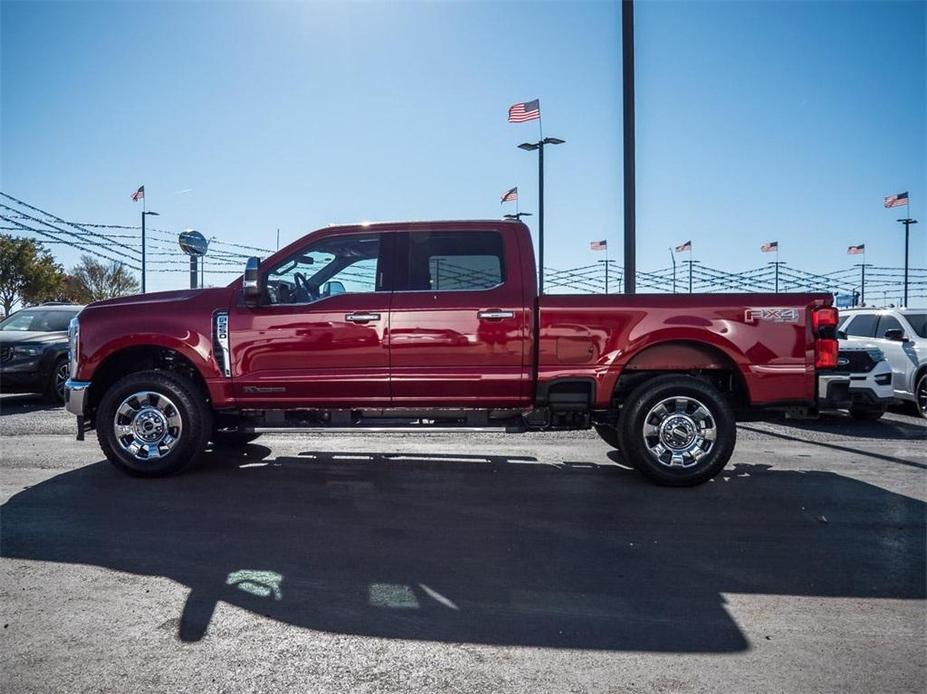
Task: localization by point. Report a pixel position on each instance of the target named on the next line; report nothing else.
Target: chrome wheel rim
(679, 432)
(147, 425)
(61, 375)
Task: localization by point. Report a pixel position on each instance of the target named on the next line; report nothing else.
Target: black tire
(182, 397)
(698, 458)
(920, 396)
(231, 439)
(867, 414)
(608, 434)
(54, 389)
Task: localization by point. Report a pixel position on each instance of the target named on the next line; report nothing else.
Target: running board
(378, 429)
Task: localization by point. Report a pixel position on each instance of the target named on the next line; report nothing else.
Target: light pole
(145, 213)
(630, 190)
(673, 258)
(907, 227)
(539, 146)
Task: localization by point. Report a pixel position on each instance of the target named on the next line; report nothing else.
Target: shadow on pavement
(477, 549)
(842, 424)
(26, 403)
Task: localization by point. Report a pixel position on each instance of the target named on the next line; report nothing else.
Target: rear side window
(888, 323)
(862, 325)
(455, 261)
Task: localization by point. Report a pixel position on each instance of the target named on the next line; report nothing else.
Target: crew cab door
(318, 337)
(458, 321)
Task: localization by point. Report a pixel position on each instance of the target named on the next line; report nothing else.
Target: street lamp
(145, 213)
(907, 224)
(539, 146)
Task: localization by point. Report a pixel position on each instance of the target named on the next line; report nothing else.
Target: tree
(95, 281)
(28, 273)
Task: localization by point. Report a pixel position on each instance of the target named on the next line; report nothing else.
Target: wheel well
(687, 358)
(144, 358)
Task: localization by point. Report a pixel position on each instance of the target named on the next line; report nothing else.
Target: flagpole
(606, 266)
(673, 258)
(862, 284)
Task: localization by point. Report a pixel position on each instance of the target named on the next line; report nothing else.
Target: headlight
(26, 350)
(73, 346)
(876, 355)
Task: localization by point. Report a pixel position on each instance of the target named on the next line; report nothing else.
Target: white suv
(902, 335)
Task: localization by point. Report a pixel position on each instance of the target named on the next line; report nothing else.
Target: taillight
(823, 318)
(825, 353)
(824, 325)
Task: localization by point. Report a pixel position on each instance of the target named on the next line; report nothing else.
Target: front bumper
(842, 390)
(75, 396)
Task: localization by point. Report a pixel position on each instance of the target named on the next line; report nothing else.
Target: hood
(17, 336)
(157, 298)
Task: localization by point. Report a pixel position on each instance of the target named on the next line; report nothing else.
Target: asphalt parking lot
(426, 563)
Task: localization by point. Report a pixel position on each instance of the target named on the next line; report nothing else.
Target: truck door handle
(361, 317)
(495, 314)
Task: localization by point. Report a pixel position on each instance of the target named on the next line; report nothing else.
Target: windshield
(918, 323)
(38, 321)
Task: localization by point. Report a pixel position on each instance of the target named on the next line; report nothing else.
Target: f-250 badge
(773, 315)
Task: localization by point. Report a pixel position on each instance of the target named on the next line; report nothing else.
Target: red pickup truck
(436, 326)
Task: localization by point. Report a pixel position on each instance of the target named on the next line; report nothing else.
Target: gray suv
(902, 335)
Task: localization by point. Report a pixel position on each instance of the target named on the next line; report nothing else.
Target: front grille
(855, 361)
(6, 353)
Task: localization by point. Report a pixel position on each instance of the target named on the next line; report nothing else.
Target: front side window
(862, 325)
(888, 323)
(330, 266)
(455, 261)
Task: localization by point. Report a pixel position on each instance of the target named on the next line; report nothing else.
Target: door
(319, 336)
(900, 354)
(458, 322)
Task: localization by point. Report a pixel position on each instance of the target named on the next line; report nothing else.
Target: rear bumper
(75, 396)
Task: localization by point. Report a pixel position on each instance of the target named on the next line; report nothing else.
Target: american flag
(525, 111)
(856, 250)
(896, 200)
(770, 247)
(599, 245)
(511, 195)
(139, 194)
(687, 246)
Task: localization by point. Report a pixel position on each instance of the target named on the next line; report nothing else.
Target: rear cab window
(454, 261)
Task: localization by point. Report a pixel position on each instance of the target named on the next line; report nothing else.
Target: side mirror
(841, 335)
(251, 282)
(895, 334)
(332, 288)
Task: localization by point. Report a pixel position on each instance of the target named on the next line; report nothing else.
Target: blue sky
(779, 121)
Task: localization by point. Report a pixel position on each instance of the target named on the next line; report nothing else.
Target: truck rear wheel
(153, 423)
(677, 430)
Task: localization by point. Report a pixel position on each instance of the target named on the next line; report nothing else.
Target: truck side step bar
(379, 429)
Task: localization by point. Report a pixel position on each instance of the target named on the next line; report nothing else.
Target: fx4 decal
(773, 315)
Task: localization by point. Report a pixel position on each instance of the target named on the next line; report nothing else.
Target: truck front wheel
(677, 430)
(153, 423)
